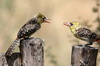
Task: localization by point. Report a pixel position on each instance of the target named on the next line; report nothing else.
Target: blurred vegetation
(7, 5)
(51, 56)
(96, 10)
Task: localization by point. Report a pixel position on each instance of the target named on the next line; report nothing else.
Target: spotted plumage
(86, 35)
(28, 29)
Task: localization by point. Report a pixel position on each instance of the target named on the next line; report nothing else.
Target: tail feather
(12, 47)
(98, 38)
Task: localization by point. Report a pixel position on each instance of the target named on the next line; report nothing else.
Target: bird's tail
(12, 47)
(98, 38)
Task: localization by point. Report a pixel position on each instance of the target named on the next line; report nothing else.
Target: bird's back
(28, 29)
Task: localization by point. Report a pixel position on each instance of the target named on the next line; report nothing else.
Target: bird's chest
(83, 35)
(32, 29)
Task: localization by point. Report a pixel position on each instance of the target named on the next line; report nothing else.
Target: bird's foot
(85, 45)
(88, 44)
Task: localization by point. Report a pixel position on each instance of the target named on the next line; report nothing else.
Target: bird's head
(41, 18)
(73, 25)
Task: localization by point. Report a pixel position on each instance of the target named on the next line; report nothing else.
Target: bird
(32, 26)
(82, 33)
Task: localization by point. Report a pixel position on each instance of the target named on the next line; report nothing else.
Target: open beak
(67, 24)
(46, 20)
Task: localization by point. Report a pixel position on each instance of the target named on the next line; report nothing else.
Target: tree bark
(83, 56)
(32, 53)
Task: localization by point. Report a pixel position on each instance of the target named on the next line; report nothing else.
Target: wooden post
(32, 53)
(83, 56)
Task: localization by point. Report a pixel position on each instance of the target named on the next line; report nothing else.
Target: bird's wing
(27, 30)
(87, 34)
(83, 32)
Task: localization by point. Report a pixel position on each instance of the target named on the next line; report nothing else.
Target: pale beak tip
(46, 20)
(65, 23)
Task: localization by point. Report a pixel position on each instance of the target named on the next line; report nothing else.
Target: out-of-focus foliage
(51, 56)
(96, 10)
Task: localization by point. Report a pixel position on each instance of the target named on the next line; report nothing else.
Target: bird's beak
(46, 20)
(67, 24)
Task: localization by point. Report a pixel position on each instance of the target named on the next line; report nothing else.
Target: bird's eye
(44, 18)
(71, 24)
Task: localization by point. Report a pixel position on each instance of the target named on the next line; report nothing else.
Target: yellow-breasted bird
(27, 30)
(83, 33)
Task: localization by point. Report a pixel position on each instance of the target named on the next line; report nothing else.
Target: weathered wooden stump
(31, 54)
(83, 55)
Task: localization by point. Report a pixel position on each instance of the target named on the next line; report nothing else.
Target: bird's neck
(74, 29)
(40, 23)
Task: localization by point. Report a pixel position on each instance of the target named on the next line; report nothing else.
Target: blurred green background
(58, 38)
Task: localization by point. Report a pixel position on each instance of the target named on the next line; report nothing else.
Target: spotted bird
(27, 30)
(82, 33)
